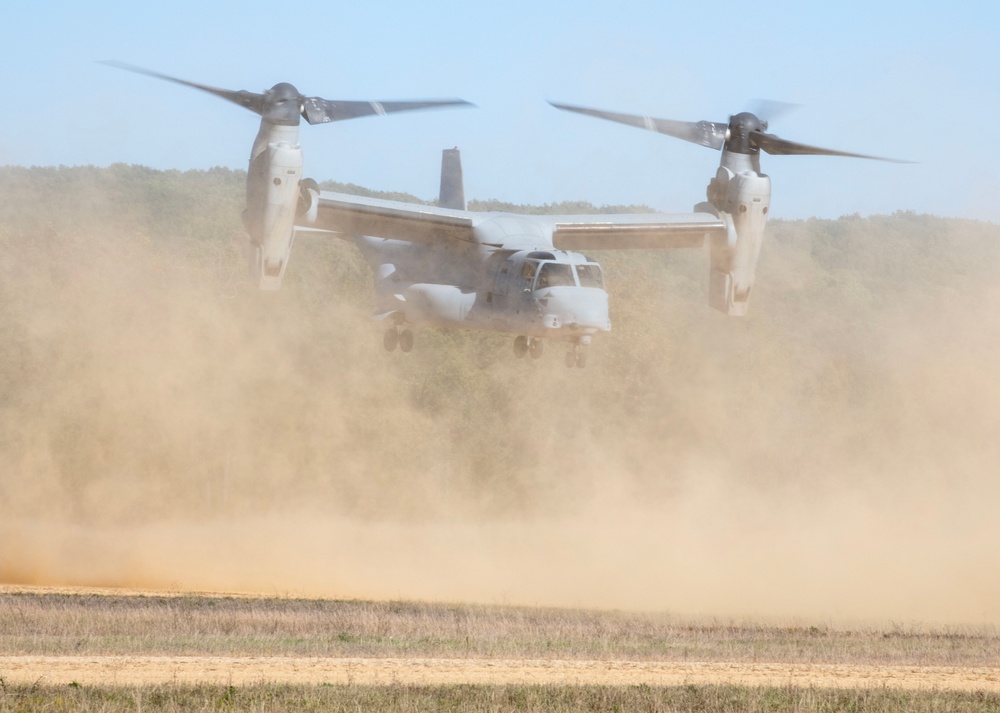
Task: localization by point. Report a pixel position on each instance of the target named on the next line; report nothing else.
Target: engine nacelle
(272, 204)
(308, 207)
(742, 201)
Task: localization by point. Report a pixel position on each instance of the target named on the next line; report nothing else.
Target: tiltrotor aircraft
(527, 276)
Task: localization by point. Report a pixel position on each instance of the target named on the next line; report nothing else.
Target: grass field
(107, 624)
(554, 699)
(87, 628)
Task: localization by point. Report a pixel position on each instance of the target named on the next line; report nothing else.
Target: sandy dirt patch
(110, 670)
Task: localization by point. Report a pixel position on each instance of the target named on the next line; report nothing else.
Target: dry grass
(92, 624)
(111, 624)
(269, 697)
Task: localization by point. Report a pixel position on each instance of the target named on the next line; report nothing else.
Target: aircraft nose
(583, 308)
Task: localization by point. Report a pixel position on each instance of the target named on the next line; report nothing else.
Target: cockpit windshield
(590, 276)
(555, 274)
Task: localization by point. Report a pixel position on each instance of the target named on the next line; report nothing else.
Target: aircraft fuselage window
(555, 274)
(590, 276)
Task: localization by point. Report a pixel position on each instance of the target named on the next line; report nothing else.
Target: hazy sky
(919, 81)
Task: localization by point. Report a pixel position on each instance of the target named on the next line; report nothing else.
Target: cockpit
(543, 270)
(554, 293)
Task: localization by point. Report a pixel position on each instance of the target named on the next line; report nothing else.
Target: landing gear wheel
(535, 348)
(390, 339)
(576, 357)
(406, 340)
(520, 347)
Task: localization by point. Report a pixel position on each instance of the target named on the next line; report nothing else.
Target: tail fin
(452, 194)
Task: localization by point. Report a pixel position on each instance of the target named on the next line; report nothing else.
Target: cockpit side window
(555, 274)
(590, 276)
(528, 269)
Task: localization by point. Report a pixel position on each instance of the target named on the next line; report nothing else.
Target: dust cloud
(833, 456)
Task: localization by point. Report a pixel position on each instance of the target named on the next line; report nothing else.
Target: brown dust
(833, 456)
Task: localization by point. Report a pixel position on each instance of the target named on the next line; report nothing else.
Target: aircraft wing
(357, 215)
(654, 231)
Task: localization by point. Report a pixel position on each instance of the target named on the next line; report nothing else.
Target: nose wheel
(395, 336)
(577, 356)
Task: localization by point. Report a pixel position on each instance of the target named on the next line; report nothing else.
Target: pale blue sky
(919, 81)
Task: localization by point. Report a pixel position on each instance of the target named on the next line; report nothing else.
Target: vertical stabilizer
(452, 194)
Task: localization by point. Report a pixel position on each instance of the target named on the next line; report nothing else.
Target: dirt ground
(89, 670)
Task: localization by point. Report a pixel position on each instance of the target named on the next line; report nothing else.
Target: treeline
(141, 375)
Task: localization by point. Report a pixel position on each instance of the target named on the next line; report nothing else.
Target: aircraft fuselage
(518, 288)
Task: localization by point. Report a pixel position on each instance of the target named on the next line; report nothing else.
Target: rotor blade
(703, 133)
(782, 147)
(248, 100)
(769, 109)
(322, 111)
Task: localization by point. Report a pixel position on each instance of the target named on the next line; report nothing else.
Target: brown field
(93, 637)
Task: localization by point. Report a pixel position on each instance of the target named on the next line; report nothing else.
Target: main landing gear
(397, 336)
(533, 346)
